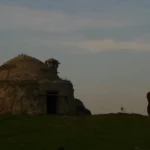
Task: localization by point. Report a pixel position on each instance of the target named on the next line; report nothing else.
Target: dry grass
(100, 132)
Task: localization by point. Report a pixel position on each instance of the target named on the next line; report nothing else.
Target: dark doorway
(52, 102)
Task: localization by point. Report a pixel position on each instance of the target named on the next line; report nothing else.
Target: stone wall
(21, 97)
(29, 97)
(66, 101)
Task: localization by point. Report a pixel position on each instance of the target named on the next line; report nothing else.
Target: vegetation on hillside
(99, 132)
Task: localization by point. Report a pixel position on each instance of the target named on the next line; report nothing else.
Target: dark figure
(122, 110)
(148, 107)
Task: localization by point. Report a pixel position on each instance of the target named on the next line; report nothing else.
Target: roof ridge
(20, 56)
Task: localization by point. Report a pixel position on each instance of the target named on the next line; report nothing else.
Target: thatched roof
(7, 66)
(24, 67)
(53, 60)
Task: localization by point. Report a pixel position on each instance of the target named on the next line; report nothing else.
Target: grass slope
(101, 132)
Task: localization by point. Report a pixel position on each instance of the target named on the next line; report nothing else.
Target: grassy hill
(99, 132)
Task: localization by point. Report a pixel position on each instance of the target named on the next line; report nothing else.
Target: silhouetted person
(122, 110)
(148, 107)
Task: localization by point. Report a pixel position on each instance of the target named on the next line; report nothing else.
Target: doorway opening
(52, 97)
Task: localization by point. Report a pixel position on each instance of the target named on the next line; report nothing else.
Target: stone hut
(30, 86)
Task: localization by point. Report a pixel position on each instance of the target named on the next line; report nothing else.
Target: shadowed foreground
(101, 132)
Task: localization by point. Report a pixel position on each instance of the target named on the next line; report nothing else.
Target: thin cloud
(19, 17)
(109, 45)
(60, 29)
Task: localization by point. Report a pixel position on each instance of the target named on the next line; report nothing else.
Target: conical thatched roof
(24, 67)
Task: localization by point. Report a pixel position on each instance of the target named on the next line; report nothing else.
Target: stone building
(30, 86)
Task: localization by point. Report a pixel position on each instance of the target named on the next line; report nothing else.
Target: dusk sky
(103, 46)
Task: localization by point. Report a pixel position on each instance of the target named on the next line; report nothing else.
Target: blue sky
(103, 46)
